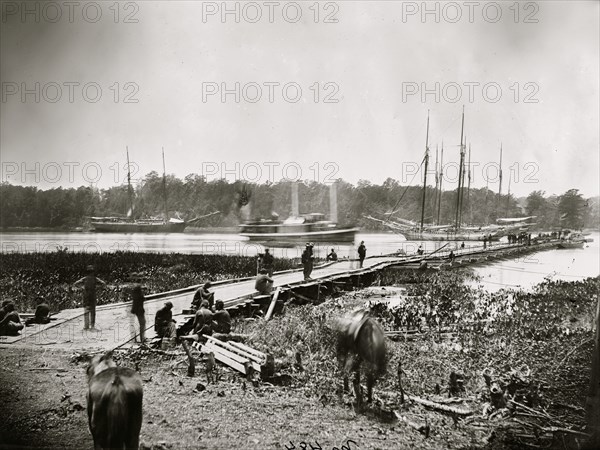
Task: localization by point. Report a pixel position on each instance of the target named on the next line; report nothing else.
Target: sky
(264, 91)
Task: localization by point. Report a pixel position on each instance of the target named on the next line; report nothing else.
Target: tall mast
(508, 195)
(295, 207)
(487, 211)
(460, 170)
(165, 185)
(437, 183)
(129, 189)
(469, 187)
(500, 179)
(439, 205)
(425, 172)
(462, 187)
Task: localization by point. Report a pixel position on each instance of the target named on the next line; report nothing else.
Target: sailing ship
(456, 232)
(148, 225)
(306, 227)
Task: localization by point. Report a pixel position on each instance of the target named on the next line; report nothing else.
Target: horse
(114, 404)
(361, 339)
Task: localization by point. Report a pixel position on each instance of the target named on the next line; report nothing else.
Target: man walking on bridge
(362, 253)
(307, 260)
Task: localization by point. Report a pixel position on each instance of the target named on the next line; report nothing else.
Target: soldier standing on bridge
(362, 252)
(137, 309)
(266, 262)
(90, 283)
(307, 260)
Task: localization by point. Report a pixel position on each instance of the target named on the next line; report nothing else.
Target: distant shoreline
(190, 230)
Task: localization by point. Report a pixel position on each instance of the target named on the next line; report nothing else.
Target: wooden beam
(272, 305)
(231, 352)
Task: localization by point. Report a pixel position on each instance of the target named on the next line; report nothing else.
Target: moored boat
(306, 227)
(150, 225)
(298, 229)
(120, 225)
(571, 244)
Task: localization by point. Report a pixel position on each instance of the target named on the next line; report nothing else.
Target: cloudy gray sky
(353, 106)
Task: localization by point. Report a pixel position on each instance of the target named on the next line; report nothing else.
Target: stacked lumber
(238, 356)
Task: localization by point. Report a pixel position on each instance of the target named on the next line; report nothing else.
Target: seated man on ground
(42, 314)
(264, 283)
(332, 256)
(164, 325)
(204, 294)
(10, 323)
(221, 319)
(202, 323)
(3, 310)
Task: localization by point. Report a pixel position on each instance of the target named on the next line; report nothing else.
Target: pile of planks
(238, 356)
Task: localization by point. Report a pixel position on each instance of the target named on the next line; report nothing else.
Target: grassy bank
(26, 276)
(462, 330)
(538, 343)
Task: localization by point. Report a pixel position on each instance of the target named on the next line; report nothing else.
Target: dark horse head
(361, 341)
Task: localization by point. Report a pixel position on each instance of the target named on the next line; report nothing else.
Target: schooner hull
(133, 227)
(448, 236)
(337, 235)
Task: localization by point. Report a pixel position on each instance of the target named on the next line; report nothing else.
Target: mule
(361, 340)
(114, 404)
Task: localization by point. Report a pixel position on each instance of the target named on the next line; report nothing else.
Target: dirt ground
(43, 393)
(44, 403)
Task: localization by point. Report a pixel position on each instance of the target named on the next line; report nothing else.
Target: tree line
(194, 196)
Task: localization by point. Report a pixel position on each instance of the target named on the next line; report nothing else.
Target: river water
(567, 264)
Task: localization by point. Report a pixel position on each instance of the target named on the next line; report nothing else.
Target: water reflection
(567, 264)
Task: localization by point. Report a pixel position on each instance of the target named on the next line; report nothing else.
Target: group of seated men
(211, 317)
(10, 322)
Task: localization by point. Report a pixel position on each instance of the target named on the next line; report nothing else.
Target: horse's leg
(357, 391)
(370, 382)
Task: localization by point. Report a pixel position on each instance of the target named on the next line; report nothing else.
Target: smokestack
(295, 210)
(333, 210)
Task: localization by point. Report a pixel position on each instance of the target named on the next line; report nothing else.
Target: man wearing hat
(204, 294)
(137, 309)
(362, 252)
(266, 261)
(164, 325)
(307, 260)
(90, 282)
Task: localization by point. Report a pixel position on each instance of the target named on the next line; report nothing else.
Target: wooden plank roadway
(114, 321)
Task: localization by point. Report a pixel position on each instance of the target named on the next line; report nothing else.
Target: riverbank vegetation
(194, 196)
(537, 345)
(26, 276)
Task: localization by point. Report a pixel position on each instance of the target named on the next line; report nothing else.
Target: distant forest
(23, 206)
